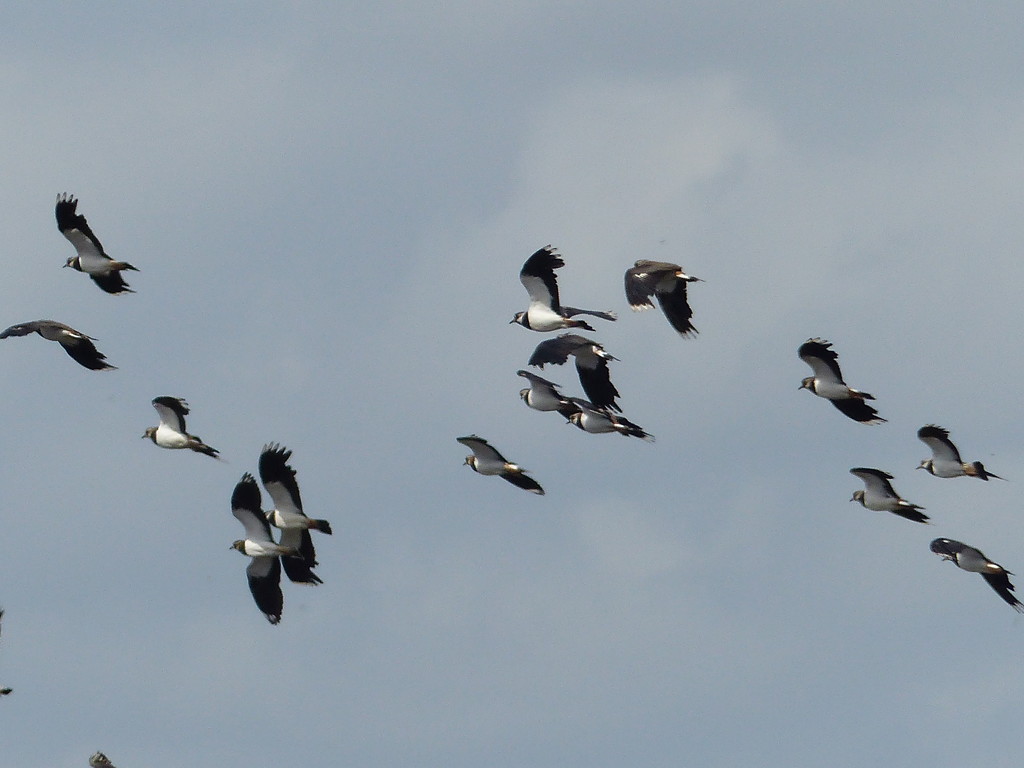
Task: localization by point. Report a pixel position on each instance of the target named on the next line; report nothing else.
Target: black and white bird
(278, 477)
(971, 559)
(666, 282)
(878, 494)
(591, 365)
(827, 382)
(545, 312)
(264, 570)
(171, 431)
(79, 346)
(487, 461)
(90, 258)
(543, 395)
(600, 421)
(945, 460)
(99, 760)
(3, 691)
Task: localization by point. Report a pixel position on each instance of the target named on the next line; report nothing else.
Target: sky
(329, 204)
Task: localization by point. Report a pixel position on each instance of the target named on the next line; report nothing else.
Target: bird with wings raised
(90, 256)
(486, 460)
(591, 365)
(78, 346)
(879, 495)
(171, 433)
(544, 395)
(667, 283)
(278, 478)
(827, 382)
(970, 559)
(264, 570)
(945, 460)
(546, 312)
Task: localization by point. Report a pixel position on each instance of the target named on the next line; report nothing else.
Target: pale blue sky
(329, 206)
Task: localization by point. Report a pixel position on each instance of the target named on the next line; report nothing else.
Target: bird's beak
(853, 498)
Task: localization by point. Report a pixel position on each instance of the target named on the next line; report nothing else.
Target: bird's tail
(321, 525)
(977, 469)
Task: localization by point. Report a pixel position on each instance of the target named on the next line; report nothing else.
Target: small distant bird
(598, 421)
(971, 559)
(99, 760)
(3, 691)
(543, 395)
(945, 460)
(79, 346)
(264, 571)
(667, 282)
(545, 313)
(827, 382)
(278, 477)
(591, 365)
(487, 461)
(91, 258)
(880, 496)
(171, 431)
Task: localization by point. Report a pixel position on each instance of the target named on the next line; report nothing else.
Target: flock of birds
(294, 551)
(878, 494)
(601, 413)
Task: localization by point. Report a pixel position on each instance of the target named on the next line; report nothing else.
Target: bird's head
(150, 433)
(947, 549)
(70, 262)
(925, 464)
(470, 460)
(238, 544)
(524, 393)
(807, 383)
(518, 317)
(858, 496)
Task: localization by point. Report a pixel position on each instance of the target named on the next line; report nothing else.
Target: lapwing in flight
(827, 382)
(667, 283)
(487, 461)
(99, 760)
(599, 421)
(264, 570)
(543, 395)
(90, 258)
(545, 312)
(945, 460)
(79, 346)
(278, 477)
(878, 495)
(591, 365)
(971, 559)
(171, 431)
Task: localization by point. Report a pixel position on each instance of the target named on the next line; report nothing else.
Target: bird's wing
(595, 378)
(278, 478)
(483, 450)
(299, 569)
(937, 439)
(246, 505)
(171, 411)
(823, 361)
(521, 480)
(264, 576)
(538, 277)
(875, 480)
(1000, 582)
(676, 308)
(858, 410)
(81, 349)
(111, 282)
(641, 280)
(75, 228)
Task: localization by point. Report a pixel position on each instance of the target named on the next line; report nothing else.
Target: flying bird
(487, 461)
(99, 760)
(971, 559)
(543, 395)
(171, 431)
(90, 258)
(278, 477)
(598, 421)
(666, 282)
(3, 691)
(827, 382)
(945, 460)
(264, 570)
(545, 313)
(878, 494)
(591, 365)
(79, 346)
